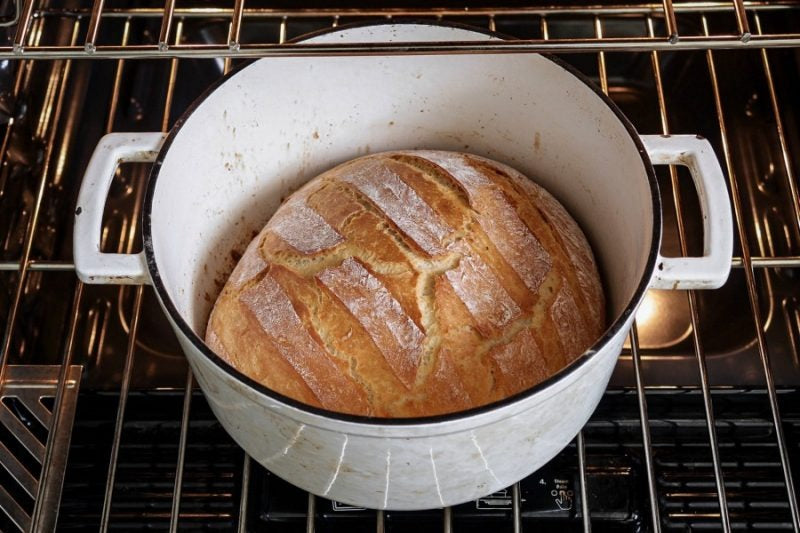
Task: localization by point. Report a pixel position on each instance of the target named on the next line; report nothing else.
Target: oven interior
(101, 425)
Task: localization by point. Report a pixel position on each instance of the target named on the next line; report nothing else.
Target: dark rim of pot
(581, 360)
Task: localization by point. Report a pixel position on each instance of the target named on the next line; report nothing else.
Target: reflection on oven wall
(53, 112)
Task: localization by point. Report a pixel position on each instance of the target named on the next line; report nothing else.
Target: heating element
(101, 426)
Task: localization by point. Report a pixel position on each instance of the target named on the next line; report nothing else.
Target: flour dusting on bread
(394, 333)
(302, 228)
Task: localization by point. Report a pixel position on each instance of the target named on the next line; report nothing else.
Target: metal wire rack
(740, 35)
(31, 264)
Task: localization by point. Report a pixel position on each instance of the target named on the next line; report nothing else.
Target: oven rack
(743, 31)
(56, 122)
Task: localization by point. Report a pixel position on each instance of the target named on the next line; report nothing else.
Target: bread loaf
(409, 284)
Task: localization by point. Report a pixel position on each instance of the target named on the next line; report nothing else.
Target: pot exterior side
(406, 466)
(395, 464)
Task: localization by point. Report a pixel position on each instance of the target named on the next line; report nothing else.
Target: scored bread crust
(411, 283)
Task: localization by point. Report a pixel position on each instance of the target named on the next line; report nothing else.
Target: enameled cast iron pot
(225, 166)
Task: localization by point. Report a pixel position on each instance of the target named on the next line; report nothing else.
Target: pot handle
(711, 270)
(92, 265)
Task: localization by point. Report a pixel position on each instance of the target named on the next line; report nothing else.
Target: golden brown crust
(411, 284)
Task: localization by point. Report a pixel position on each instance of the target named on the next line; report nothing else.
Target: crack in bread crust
(446, 255)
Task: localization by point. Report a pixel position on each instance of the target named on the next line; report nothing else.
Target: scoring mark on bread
(481, 291)
(394, 333)
(497, 216)
(557, 230)
(429, 170)
(274, 310)
(399, 203)
(476, 214)
(430, 324)
(536, 319)
(328, 341)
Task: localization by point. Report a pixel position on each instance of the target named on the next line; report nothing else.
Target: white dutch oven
(223, 169)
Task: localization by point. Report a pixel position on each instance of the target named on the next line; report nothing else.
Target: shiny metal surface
(652, 490)
(585, 511)
(45, 510)
(752, 293)
(243, 499)
(516, 504)
(188, 51)
(123, 399)
(59, 80)
(311, 514)
(22, 394)
(176, 492)
(240, 16)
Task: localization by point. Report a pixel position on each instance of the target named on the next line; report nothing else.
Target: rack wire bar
(243, 500)
(166, 25)
(249, 51)
(516, 507)
(644, 421)
(282, 31)
(653, 8)
(38, 266)
(117, 80)
(693, 313)
(238, 14)
(671, 22)
(768, 262)
(23, 25)
(447, 520)
(178, 488)
(741, 20)
(173, 76)
(585, 512)
(120, 418)
(311, 513)
(380, 525)
(601, 57)
(236, 25)
(94, 26)
(752, 292)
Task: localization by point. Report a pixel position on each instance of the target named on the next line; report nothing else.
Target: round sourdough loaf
(411, 283)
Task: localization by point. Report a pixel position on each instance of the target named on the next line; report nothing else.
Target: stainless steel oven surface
(101, 423)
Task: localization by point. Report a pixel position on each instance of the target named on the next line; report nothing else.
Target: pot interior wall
(280, 122)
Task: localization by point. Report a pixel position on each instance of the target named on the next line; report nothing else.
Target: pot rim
(594, 350)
